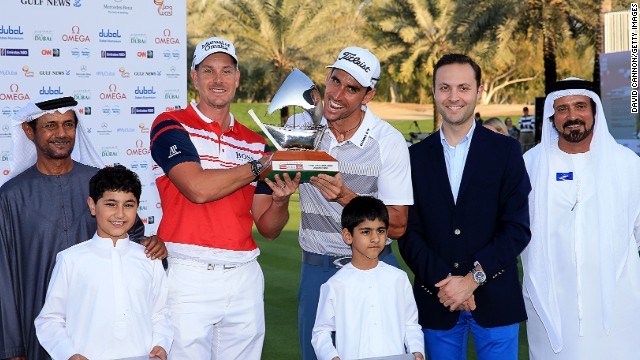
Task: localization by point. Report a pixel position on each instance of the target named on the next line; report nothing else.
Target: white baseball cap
(359, 63)
(211, 46)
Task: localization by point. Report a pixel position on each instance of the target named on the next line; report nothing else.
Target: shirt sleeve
(394, 181)
(171, 145)
(161, 323)
(414, 337)
(324, 325)
(11, 335)
(51, 327)
(636, 232)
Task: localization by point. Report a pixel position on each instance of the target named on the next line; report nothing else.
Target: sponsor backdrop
(124, 61)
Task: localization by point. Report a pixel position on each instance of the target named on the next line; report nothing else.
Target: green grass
(281, 261)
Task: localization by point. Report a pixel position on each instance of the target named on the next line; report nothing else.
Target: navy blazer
(489, 224)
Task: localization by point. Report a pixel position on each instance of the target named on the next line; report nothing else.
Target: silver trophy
(297, 142)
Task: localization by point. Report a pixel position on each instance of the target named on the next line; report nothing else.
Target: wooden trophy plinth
(308, 163)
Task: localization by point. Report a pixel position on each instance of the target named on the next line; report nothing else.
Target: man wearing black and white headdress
(581, 268)
(44, 211)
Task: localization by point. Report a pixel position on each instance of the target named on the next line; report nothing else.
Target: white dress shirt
(373, 313)
(456, 157)
(105, 302)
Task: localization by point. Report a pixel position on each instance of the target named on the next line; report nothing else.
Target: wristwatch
(256, 169)
(478, 276)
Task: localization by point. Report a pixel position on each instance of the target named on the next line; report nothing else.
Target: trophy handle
(316, 143)
(264, 129)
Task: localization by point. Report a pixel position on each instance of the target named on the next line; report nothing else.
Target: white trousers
(217, 313)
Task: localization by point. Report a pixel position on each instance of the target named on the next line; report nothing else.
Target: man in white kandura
(581, 268)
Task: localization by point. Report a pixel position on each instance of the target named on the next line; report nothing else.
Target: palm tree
(275, 36)
(411, 36)
(545, 21)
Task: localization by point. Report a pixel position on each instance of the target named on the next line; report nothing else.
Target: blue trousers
(311, 278)
(491, 343)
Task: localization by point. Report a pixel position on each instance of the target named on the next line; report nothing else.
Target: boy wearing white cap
(208, 165)
(374, 161)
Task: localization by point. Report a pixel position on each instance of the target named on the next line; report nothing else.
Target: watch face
(479, 276)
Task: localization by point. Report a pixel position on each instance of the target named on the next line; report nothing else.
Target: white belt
(203, 265)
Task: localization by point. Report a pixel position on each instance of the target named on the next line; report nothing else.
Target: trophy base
(308, 163)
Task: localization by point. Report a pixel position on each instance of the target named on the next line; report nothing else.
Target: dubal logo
(75, 36)
(140, 149)
(166, 38)
(113, 94)
(43, 36)
(145, 93)
(14, 94)
(109, 36)
(82, 95)
(13, 32)
(51, 91)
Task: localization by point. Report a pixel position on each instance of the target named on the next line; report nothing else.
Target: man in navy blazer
(468, 224)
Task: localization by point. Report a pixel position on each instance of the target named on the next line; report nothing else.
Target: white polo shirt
(374, 162)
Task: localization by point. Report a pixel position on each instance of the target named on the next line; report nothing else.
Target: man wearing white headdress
(581, 268)
(44, 211)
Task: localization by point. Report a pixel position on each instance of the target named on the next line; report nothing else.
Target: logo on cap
(216, 44)
(355, 59)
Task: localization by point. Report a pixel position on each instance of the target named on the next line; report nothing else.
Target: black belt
(335, 261)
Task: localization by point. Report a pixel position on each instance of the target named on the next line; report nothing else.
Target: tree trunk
(604, 7)
(549, 57)
(393, 91)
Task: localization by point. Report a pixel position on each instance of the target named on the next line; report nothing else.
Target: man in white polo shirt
(374, 161)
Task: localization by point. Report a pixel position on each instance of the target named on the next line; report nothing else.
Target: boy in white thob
(368, 303)
(106, 299)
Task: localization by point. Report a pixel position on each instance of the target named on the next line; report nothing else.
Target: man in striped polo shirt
(207, 169)
(374, 161)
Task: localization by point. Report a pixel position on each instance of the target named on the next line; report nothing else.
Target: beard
(53, 153)
(575, 135)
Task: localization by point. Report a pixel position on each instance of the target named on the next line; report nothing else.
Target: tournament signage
(124, 61)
